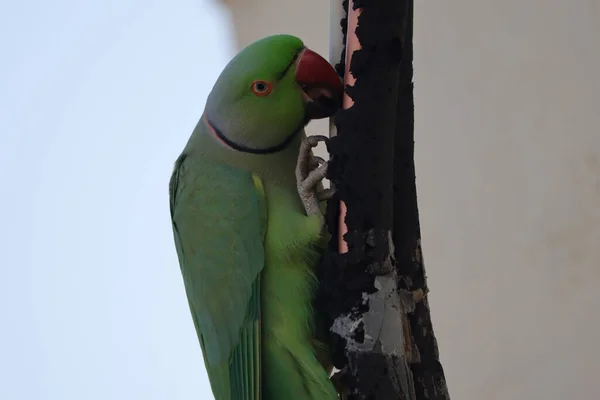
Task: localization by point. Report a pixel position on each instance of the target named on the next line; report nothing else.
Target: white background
(97, 99)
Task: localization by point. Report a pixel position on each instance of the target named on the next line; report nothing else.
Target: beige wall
(508, 171)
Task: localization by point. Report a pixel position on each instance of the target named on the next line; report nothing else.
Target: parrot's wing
(219, 223)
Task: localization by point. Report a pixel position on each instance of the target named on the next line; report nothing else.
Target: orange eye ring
(261, 88)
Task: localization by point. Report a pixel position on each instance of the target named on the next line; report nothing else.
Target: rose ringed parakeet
(247, 223)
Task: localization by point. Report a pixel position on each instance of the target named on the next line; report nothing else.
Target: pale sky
(97, 99)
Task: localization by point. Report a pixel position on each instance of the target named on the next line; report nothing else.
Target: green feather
(219, 226)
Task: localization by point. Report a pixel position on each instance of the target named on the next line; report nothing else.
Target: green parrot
(248, 226)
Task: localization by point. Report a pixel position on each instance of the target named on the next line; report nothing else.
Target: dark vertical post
(374, 295)
(428, 374)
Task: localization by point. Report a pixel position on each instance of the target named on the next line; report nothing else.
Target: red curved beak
(321, 84)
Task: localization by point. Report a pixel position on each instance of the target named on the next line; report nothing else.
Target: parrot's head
(268, 92)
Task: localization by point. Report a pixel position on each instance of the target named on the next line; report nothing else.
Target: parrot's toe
(315, 162)
(310, 171)
(314, 140)
(306, 160)
(307, 189)
(325, 194)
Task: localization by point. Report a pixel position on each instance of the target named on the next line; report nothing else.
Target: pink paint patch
(352, 44)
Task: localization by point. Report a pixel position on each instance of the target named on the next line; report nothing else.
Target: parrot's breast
(293, 245)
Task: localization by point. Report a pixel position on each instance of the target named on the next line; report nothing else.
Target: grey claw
(306, 190)
(325, 194)
(315, 162)
(310, 171)
(314, 177)
(314, 140)
(318, 159)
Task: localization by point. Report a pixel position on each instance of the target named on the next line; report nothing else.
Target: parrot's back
(219, 224)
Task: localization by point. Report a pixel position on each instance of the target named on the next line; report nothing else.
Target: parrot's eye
(261, 88)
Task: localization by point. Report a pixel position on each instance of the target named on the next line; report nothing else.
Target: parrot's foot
(310, 171)
(315, 161)
(338, 380)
